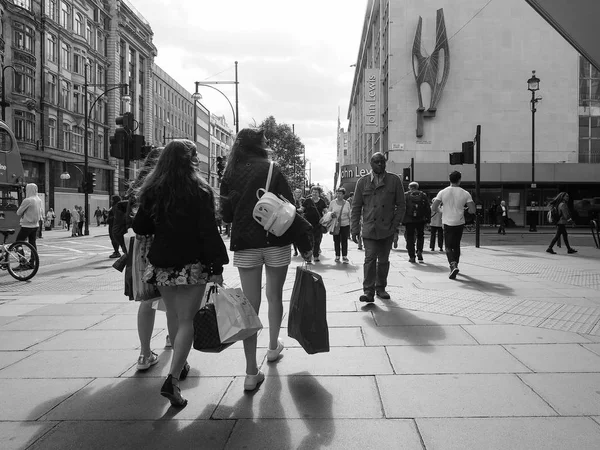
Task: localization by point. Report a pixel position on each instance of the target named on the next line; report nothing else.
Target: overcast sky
(294, 61)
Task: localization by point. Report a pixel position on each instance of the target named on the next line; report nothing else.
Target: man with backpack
(418, 213)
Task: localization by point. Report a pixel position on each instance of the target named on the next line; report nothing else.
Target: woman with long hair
(561, 203)
(340, 210)
(176, 205)
(253, 247)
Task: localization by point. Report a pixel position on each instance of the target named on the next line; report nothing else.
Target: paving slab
(20, 435)
(350, 319)
(338, 337)
(570, 394)
(91, 340)
(36, 323)
(72, 310)
(12, 309)
(489, 395)
(278, 434)
(418, 335)
(9, 358)
(302, 396)
(21, 340)
(46, 299)
(454, 359)
(531, 433)
(399, 316)
(556, 357)
(128, 322)
(31, 399)
(128, 435)
(517, 334)
(139, 399)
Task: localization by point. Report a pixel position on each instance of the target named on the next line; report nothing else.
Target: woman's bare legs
(274, 291)
(145, 326)
(251, 285)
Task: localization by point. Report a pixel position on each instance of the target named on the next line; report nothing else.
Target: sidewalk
(507, 356)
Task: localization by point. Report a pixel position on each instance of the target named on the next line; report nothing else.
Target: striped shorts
(269, 256)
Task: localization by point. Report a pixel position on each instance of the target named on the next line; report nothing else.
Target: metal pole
(237, 114)
(532, 139)
(477, 182)
(3, 97)
(412, 169)
(85, 150)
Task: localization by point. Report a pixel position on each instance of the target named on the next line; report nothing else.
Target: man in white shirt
(454, 199)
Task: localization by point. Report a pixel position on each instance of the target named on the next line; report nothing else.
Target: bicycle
(20, 259)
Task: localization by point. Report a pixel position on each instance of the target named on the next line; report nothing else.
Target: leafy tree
(288, 150)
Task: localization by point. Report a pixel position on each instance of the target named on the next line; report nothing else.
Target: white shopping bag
(236, 317)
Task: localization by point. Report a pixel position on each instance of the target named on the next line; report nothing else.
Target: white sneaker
(273, 355)
(145, 362)
(252, 381)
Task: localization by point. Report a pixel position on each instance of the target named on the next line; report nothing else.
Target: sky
(294, 62)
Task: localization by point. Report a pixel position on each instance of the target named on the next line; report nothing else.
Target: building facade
(221, 140)
(429, 72)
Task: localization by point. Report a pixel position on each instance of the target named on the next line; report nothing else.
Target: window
(78, 24)
(51, 9)
(24, 80)
(66, 136)
(23, 37)
(589, 113)
(77, 99)
(51, 48)
(25, 4)
(51, 92)
(89, 35)
(65, 95)
(99, 149)
(89, 141)
(77, 140)
(24, 126)
(52, 132)
(99, 42)
(65, 15)
(65, 56)
(99, 74)
(78, 62)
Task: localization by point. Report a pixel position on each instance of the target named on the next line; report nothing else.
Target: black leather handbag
(206, 330)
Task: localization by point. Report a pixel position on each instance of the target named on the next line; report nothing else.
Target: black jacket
(190, 235)
(238, 198)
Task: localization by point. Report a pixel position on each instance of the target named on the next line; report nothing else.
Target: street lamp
(3, 102)
(210, 83)
(533, 84)
(87, 112)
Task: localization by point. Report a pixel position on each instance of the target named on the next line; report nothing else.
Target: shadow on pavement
(469, 282)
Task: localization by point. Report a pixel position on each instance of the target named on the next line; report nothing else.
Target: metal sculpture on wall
(427, 68)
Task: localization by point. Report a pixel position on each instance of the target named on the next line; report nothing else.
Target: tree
(288, 150)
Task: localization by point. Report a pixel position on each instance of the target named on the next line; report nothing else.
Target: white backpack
(275, 214)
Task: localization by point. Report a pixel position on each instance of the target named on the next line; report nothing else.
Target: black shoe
(184, 371)
(420, 256)
(571, 250)
(453, 270)
(395, 244)
(295, 253)
(412, 259)
(549, 250)
(383, 294)
(115, 255)
(367, 298)
(173, 393)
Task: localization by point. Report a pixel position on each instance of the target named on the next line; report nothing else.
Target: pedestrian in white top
(437, 229)
(454, 199)
(31, 212)
(340, 211)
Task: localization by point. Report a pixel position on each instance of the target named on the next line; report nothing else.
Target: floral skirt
(194, 273)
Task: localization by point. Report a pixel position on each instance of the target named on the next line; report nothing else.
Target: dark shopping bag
(308, 312)
(206, 330)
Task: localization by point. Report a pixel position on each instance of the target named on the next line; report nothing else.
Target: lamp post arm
(119, 86)
(235, 119)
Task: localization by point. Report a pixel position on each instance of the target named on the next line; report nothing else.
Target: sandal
(184, 371)
(173, 393)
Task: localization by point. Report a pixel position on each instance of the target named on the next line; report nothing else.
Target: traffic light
(136, 142)
(406, 174)
(468, 152)
(220, 166)
(126, 121)
(456, 158)
(118, 143)
(90, 182)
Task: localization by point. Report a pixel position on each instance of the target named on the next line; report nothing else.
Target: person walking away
(68, 219)
(493, 213)
(340, 211)
(561, 203)
(437, 229)
(111, 218)
(104, 216)
(82, 220)
(50, 216)
(298, 200)
(245, 173)
(98, 215)
(177, 206)
(75, 220)
(418, 213)
(503, 213)
(379, 201)
(120, 223)
(314, 207)
(63, 218)
(453, 199)
(30, 212)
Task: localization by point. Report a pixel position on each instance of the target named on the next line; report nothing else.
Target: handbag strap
(269, 177)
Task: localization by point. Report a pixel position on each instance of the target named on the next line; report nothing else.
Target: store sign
(372, 99)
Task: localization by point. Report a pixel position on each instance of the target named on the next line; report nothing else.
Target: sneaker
(571, 250)
(432, 249)
(252, 381)
(273, 355)
(412, 260)
(145, 362)
(345, 259)
(453, 271)
(114, 255)
(549, 250)
(168, 342)
(395, 244)
(295, 253)
(317, 259)
(337, 259)
(441, 249)
(420, 256)
(360, 248)
(383, 294)
(367, 298)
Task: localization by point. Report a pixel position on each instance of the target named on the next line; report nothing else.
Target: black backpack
(553, 215)
(417, 207)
